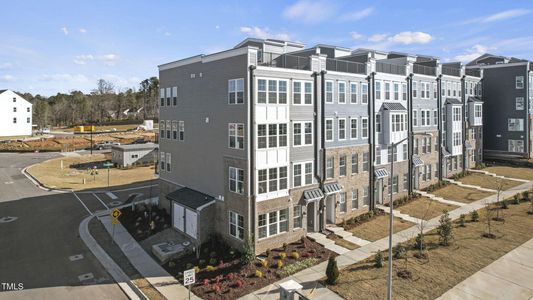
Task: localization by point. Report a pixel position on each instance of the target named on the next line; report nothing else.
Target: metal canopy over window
(313, 195)
(332, 188)
(393, 107)
(417, 161)
(453, 101)
(381, 173)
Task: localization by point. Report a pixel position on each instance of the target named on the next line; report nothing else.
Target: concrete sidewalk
(509, 277)
(165, 283)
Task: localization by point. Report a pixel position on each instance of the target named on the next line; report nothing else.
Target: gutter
(439, 123)
(252, 205)
(465, 118)
(410, 134)
(321, 223)
(371, 138)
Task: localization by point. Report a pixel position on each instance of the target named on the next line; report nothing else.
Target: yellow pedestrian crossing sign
(114, 221)
(116, 213)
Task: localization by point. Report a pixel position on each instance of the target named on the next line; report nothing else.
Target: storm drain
(85, 277)
(7, 219)
(75, 257)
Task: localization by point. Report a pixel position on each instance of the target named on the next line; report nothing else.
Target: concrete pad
(344, 260)
(356, 240)
(358, 255)
(456, 293)
(336, 248)
(528, 244)
(486, 286)
(321, 267)
(511, 271)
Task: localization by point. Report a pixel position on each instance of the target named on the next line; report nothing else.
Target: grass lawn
(460, 194)
(378, 227)
(51, 175)
(342, 242)
(445, 267)
(513, 172)
(425, 208)
(489, 182)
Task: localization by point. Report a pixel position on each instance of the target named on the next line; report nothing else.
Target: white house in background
(15, 114)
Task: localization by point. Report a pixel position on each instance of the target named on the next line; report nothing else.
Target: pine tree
(332, 271)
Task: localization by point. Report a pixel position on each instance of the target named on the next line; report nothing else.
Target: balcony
(451, 71)
(382, 67)
(424, 70)
(473, 72)
(345, 66)
(288, 61)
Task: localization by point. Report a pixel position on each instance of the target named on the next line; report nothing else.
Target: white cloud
(378, 37)
(356, 35)
(167, 33)
(409, 37)
(263, 33)
(357, 15)
(6, 66)
(217, 26)
(504, 15)
(472, 53)
(107, 59)
(65, 30)
(309, 11)
(7, 77)
(82, 30)
(83, 59)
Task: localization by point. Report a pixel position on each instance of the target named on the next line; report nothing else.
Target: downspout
(439, 123)
(528, 123)
(315, 126)
(252, 208)
(371, 139)
(322, 202)
(463, 99)
(410, 135)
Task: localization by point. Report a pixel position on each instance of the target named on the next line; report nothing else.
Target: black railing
(473, 72)
(345, 66)
(390, 68)
(451, 71)
(424, 70)
(284, 61)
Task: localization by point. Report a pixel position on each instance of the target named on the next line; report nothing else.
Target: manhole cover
(76, 257)
(115, 203)
(7, 219)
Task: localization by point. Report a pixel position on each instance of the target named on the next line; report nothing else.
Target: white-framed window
(236, 180)
(169, 128)
(297, 217)
(449, 88)
(355, 163)
(15, 109)
(443, 88)
(435, 90)
(415, 90)
(422, 90)
(28, 120)
(478, 110)
(271, 135)
(329, 91)
(272, 223)
(396, 91)
(168, 96)
(341, 92)
(353, 92)
(342, 201)
(398, 122)
(302, 133)
(519, 103)
(181, 128)
(355, 199)
(519, 82)
(175, 95)
(342, 129)
(14, 99)
(425, 117)
(162, 127)
(271, 91)
(27, 109)
(342, 165)
(404, 147)
(236, 225)
(378, 123)
(366, 164)
(378, 90)
(236, 135)
(353, 128)
(364, 93)
(515, 124)
(404, 91)
(302, 174)
(378, 155)
(435, 117)
(387, 90)
(174, 130)
(329, 130)
(169, 161)
(415, 118)
(364, 127)
(329, 167)
(395, 184)
(457, 139)
(161, 96)
(456, 114)
(302, 93)
(515, 145)
(271, 180)
(405, 184)
(162, 162)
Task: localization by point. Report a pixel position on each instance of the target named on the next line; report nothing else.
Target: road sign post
(189, 277)
(108, 165)
(114, 220)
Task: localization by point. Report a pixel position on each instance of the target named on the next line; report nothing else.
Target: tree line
(105, 103)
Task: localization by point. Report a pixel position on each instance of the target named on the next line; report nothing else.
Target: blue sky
(59, 46)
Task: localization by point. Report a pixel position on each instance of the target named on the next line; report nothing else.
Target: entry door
(378, 192)
(311, 217)
(190, 223)
(416, 176)
(330, 209)
(178, 217)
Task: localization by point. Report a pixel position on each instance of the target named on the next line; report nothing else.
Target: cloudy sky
(59, 46)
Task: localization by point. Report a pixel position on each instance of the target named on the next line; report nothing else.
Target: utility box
(288, 289)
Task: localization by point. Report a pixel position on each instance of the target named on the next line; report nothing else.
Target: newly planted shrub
(249, 253)
(280, 264)
(445, 229)
(295, 255)
(258, 274)
(212, 261)
(332, 271)
(504, 204)
(399, 251)
(205, 282)
(474, 216)
(264, 262)
(419, 242)
(210, 268)
(378, 259)
(238, 284)
(516, 199)
(462, 220)
(282, 255)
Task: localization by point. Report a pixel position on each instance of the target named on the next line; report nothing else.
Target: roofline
(205, 58)
(268, 41)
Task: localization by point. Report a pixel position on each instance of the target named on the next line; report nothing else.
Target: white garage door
(190, 223)
(178, 217)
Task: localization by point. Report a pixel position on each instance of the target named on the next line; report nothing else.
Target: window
(169, 128)
(415, 90)
(297, 92)
(366, 198)
(387, 90)
(396, 91)
(181, 127)
(305, 136)
(162, 129)
(271, 180)
(261, 91)
(398, 122)
(429, 145)
(14, 99)
(404, 91)
(443, 88)
(297, 217)
(302, 174)
(14, 120)
(353, 92)
(342, 129)
(282, 92)
(415, 118)
(515, 124)
(272, 223)
(516, 145)
(429, 172)
(404, 148)
(329, 167)
(422, 90)
(308, 93)
(271, 91)
(378, 155)
(519, 82)
(457, 139)
(364, 93)
(236, 180)
(14, 109)
(456, 114)
(395, 184)
(168, 96)
(302, 91)
(236, 135)
(342, 165)
(477, 111)
(276, 135)
(236, 225)
(342, 92)
(28, 120)
(435, 90)
(342, 201)
(365, 162)
(161, 96)
(174, 130)
(162, 161)
(134, 156)
(449, 88)
(27, 109)
(329, 91)
(168, 161)
(435, 117)
(353, 128)
(378, 90)
(415, 146)
(424, 145)
(364, 127)
(378, 123)
(329, 129)
(519, 103)
(425, 117)
(355, 163)
(355, 199)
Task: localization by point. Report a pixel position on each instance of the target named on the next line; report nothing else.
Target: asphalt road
(41, 248)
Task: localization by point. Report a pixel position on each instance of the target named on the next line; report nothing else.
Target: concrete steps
(346, 235)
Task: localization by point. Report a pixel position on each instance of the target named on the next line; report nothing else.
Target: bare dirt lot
(75, 170)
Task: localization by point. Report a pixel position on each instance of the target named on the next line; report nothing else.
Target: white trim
(274, 69)
(339, 129)
(326, 130)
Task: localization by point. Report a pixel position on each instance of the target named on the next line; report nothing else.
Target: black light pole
(91, 122)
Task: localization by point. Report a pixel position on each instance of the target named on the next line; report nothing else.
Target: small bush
(284, 245)
(462, 220)
(230, 276)
(474, 216)
(267, 252)
(249, 253)
(196, 269)
(332, 271)
(295, 255)
(419, 242)
(212, 261)
(216, 288)
(280, 264)
(205, 282)
(516, 199)
(445, 229)
(210, 268)
(258, 274)
(188, 266)
(504, 204)
(399, 251)
(297, 266)
(201, 262)
(282, 255)
(525, 195)
(171, 264)
(264, 262)
(378, 259)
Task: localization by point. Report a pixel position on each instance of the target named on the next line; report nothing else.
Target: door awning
(381, 173)
(332, 188)
(313, 195)
(417, 161)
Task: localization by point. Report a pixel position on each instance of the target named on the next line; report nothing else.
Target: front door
(330, 209)
(378, 192)
(311, 217)
(178, 217)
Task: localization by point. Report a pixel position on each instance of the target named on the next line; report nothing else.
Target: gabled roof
(1, 91)
(453, 101)
(474, 99)
(393, 106)
(190, 198)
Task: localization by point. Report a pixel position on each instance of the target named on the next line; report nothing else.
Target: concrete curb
(123, 281)
(38, 184)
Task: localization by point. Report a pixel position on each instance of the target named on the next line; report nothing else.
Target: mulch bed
(137, 222)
